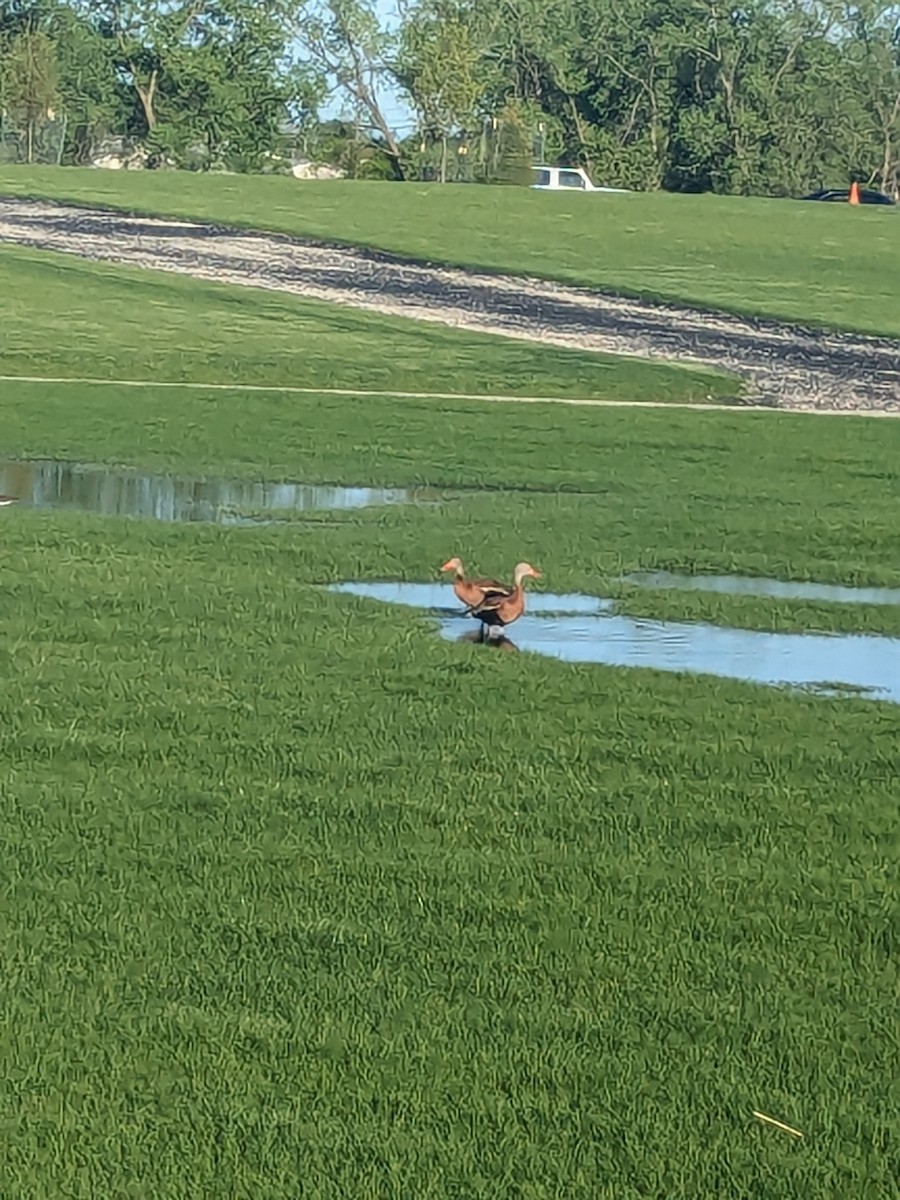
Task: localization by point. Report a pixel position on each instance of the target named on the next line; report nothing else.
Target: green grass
(817, 263)
(61, 317)
(299, 900)
(670, 490)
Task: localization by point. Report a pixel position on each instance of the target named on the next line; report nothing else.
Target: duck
(499, 608)
(472, 591)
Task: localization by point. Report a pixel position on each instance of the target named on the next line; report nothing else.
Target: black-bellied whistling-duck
(497, 609)
(472, 591)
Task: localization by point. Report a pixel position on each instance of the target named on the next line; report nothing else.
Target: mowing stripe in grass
(479, 396)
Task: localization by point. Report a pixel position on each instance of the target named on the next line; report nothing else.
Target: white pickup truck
(566, 179)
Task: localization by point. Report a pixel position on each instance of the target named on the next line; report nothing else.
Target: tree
(30, 84)
(438, 66)
(142, 34)
(346, 43)
(88, 95)
(873, 53)
(204, 76)
(89, 91)
(770, 96)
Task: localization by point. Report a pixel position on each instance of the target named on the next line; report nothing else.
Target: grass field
(65, 318)
(822, 264)
(299, 900)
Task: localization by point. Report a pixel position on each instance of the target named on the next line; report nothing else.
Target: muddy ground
(782, 365)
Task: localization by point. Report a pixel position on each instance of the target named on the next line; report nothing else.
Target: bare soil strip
(782, 365)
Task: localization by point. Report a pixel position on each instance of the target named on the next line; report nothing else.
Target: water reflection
(742, 585)
(116, 491)
(585, 629)
(498, 642)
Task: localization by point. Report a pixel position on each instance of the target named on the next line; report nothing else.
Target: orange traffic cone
(853, 198)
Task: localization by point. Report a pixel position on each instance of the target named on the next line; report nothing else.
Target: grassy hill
(815, 263)
(64, 317)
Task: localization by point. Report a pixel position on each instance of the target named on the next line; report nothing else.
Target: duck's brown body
(501, 607)
(472, 591)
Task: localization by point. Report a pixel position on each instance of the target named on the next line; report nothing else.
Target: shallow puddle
(439, 598)
(743, 585)
(586, 629)
(116, 491)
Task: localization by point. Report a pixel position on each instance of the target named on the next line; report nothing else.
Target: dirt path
(782, 365)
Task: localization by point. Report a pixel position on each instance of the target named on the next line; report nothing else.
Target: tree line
(766, 96)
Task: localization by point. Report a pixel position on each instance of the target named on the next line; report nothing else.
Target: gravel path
(782, 365)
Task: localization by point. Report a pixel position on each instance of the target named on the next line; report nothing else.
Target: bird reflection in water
(501, 642)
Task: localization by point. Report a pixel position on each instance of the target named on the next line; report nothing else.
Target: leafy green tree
(873, 57)
(143, 34)
(772, 96)
(204, 79)
(30, 82)
(88, 93)
(345, 42)
(438, 67)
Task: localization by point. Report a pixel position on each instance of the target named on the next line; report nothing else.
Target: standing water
(117, 491)
(782, 589)
(586, 629)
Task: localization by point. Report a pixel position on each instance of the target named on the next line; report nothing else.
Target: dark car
(866, 196)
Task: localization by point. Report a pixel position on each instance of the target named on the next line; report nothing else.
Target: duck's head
(453, 564)
(525, 570)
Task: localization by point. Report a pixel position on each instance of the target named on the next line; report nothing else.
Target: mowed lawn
(62, 317)
(300, 900)
(821, 264)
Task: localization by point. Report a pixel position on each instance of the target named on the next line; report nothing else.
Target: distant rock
(307, 170)
(118, 158)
